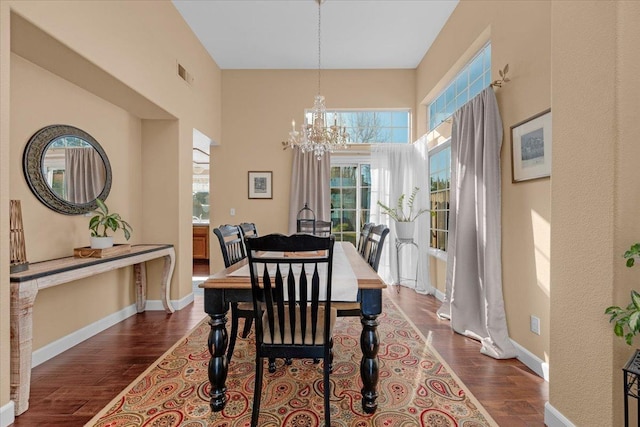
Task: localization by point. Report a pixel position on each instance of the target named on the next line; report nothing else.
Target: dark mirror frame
(32, 167)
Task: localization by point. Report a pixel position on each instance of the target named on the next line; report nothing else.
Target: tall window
(440, 181)
(470, 81)
(350, 199)
(372, 126)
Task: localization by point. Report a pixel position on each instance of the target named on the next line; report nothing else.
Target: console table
(41, 275)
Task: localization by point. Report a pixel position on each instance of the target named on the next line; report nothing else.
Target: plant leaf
(617, 329)
(635, 298)
(506, 68)
(631, 262)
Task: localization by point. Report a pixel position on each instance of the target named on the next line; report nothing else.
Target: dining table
(226, 286)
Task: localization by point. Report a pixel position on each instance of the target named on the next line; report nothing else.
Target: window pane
(476, 68)
(365, 175)
(335, 177)
(462, 98)
(349, 176)
(400, 119)
(348, 221)
(476, 87)
(461, 82)
(400, 135)
(349, 198)
(336, 198)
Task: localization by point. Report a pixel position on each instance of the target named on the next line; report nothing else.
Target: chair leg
(234, 330)
(257, 393)
(327, 393)
(331, 355)
(248, 321)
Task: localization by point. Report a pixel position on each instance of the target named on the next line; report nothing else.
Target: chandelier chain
(319, 44)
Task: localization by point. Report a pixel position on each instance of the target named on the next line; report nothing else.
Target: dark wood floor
(72, 387)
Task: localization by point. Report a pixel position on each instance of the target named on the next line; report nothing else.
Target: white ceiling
(283, 34)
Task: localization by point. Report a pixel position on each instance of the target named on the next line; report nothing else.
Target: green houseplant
(626, 321)
(102, 221)
(404, 216)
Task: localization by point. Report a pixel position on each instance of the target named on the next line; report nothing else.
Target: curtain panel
(474, 302)
(310, 180)
(395, 170)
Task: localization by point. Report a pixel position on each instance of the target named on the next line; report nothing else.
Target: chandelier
(317, 137)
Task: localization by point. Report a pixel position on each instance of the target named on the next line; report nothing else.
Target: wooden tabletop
(367, 276)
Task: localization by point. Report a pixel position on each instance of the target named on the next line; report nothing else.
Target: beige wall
(71, 66)
(525, 206)
(5, 70)
(258, 108)
(595, 199)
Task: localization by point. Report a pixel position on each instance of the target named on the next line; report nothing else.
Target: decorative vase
(101, 242)
(404, 230)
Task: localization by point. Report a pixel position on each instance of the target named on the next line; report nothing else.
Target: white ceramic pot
(404, 230)
(101, 242)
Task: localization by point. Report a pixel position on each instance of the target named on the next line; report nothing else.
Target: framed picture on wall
(260, 185)
(531, 148)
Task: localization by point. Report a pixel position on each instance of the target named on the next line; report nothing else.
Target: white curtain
(396, 169)
(85, 174)
(310, 179)
(474, 302)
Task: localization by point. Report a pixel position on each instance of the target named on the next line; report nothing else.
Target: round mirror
(66, 169)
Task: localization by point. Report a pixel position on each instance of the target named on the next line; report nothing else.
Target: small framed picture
(531, 148)
(260, 185)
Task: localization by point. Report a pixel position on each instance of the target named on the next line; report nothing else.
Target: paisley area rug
(415, 387)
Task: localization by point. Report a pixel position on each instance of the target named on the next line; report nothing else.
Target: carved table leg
(167, 272)
(140, 273)
(218, 340)
(369, 344)
(23, 296)
(371, 307)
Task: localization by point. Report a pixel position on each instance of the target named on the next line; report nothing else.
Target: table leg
(218, 340)
(167, 272)
(23, 295)
(369, 344)
(140, 273)
(371, 307)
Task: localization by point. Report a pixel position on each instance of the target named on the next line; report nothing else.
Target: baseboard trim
(156, 305)
(440, 296)
(553, 417)
(7, 414)
(533, 362)
(53, 349)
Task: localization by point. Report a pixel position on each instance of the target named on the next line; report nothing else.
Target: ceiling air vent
(184, 74)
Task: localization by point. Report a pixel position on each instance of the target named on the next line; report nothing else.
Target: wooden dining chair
(292, 284)
(233, 250)
(373, 245)
(248, 229)
(364, 233)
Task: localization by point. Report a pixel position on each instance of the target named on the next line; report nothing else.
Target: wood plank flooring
(70, 388)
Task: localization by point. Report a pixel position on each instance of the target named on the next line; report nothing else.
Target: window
(369, 126)
(350, 199)
(439, 193)
(473, 78)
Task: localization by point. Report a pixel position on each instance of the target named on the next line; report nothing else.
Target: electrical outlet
(232, 212)
(535, 325)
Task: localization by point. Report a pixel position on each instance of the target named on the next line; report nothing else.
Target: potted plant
(404, 218)
(102, 221)
(626, 321)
